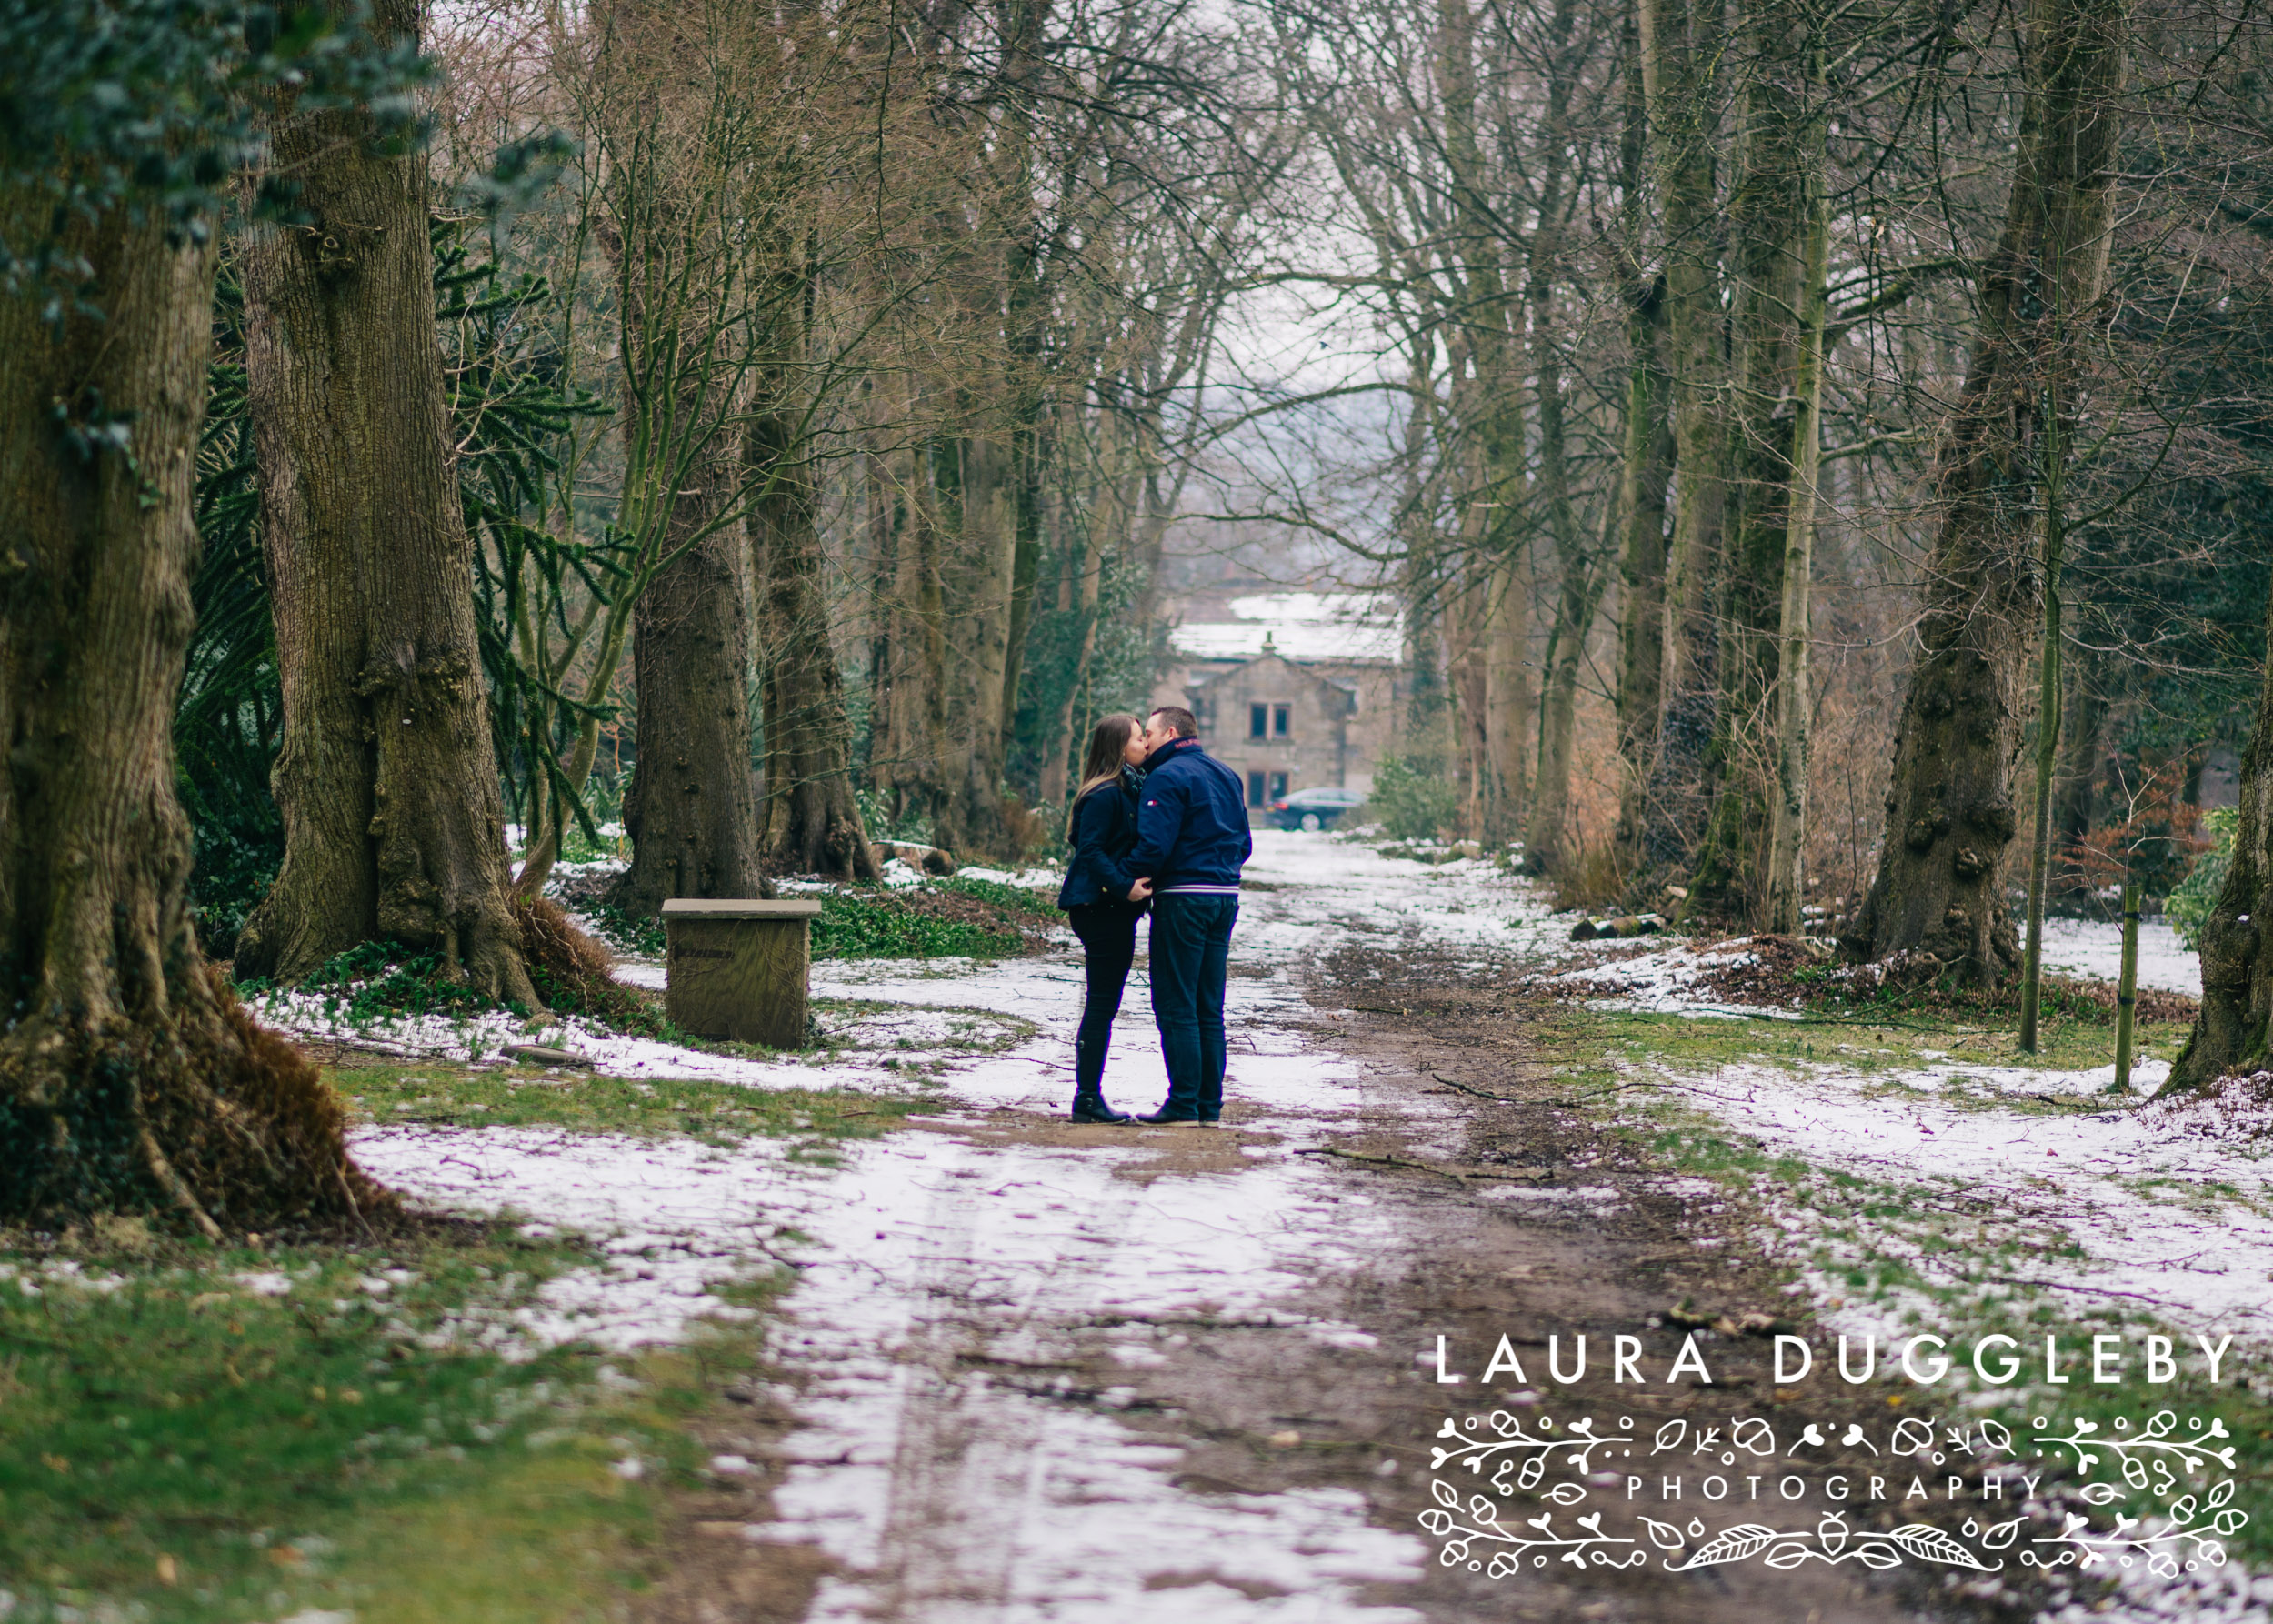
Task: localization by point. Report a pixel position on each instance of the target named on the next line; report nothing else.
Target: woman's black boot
(1091, 1107)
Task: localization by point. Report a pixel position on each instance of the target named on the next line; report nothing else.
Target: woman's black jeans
(1108, 941)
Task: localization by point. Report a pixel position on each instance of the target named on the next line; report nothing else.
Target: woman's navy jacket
(1105, 832)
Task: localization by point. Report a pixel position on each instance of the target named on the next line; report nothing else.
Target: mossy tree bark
(1644, 470)
(2235, 1027)
(1770, 210)
(678, 229)
(129, 1078)
(812, 822)
(692, 810)
(394, 820)
(1937, 896)
(1681, 46)
(1583, 572)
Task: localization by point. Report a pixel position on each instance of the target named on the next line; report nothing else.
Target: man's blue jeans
(1191, 950)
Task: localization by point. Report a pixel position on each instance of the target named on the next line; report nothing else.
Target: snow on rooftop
(1300, 626)
(1334, 607)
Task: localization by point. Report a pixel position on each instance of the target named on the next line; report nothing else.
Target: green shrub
(635, 938)
(882, 925)
(2189, 906)
(1410, 803)
(1021, 899)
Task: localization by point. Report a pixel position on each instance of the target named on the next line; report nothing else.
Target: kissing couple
(1156, 826)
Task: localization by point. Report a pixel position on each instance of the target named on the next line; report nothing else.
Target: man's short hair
(1181, 721)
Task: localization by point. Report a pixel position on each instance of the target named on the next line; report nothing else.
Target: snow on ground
(2125, 1207)
(2094, 950)
(924, 1246)
(1665, 981)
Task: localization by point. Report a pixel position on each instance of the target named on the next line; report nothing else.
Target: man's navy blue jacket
(1191, 822)
(1105, 832)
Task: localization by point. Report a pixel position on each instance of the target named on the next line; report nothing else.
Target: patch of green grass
(175, 1446)
(1019, 899)
(441, 1093)
(1856, 1043)
(882, 925)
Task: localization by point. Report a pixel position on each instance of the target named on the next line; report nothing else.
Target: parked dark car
(1314, 808)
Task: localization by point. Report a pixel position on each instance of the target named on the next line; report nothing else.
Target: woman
(1102, 899)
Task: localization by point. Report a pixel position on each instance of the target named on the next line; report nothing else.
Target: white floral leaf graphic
(1929, 1544)
(1663, 1535)
(1739, 1544)
(2002, 1534)
(1446, 1494)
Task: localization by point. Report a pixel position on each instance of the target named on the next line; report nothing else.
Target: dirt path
(1041, 1372)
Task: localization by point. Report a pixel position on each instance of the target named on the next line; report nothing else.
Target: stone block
(738, 969)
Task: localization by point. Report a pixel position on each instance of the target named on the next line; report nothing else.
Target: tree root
(161, 1171)
(208, 1116)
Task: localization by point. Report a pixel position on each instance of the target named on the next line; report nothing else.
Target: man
(1191, 839)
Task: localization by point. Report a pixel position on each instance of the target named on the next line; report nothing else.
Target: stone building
(1293, 690)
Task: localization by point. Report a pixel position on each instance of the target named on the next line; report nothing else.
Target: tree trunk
(2082, 736)
(1950, 809)
(1770, 210)
(1507, 696)
(1087, 564)
(1680, 44)
(1584, 581)
(130, 1080)
(812, 822)
(2236, 1019)
(682, 246)
(1788, 828)
(1581, 580)
(1646, 468)
(394, 820)
(691, 811)
(977, 583)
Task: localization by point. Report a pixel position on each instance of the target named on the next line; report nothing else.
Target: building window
(1278, 787)
(1258, 717)
(1281, 714)
(1255, 789)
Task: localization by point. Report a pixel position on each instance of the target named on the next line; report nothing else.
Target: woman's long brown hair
(1103, 764)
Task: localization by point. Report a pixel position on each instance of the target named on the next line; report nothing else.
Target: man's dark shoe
(1091, 1107)
(1207, 1121)
(1164, 1118)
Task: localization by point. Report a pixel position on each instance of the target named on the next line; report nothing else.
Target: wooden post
(2126, 989)
(737, 969)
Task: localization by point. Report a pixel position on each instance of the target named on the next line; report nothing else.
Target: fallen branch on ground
(1505, 1099)
(1524, 1176)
